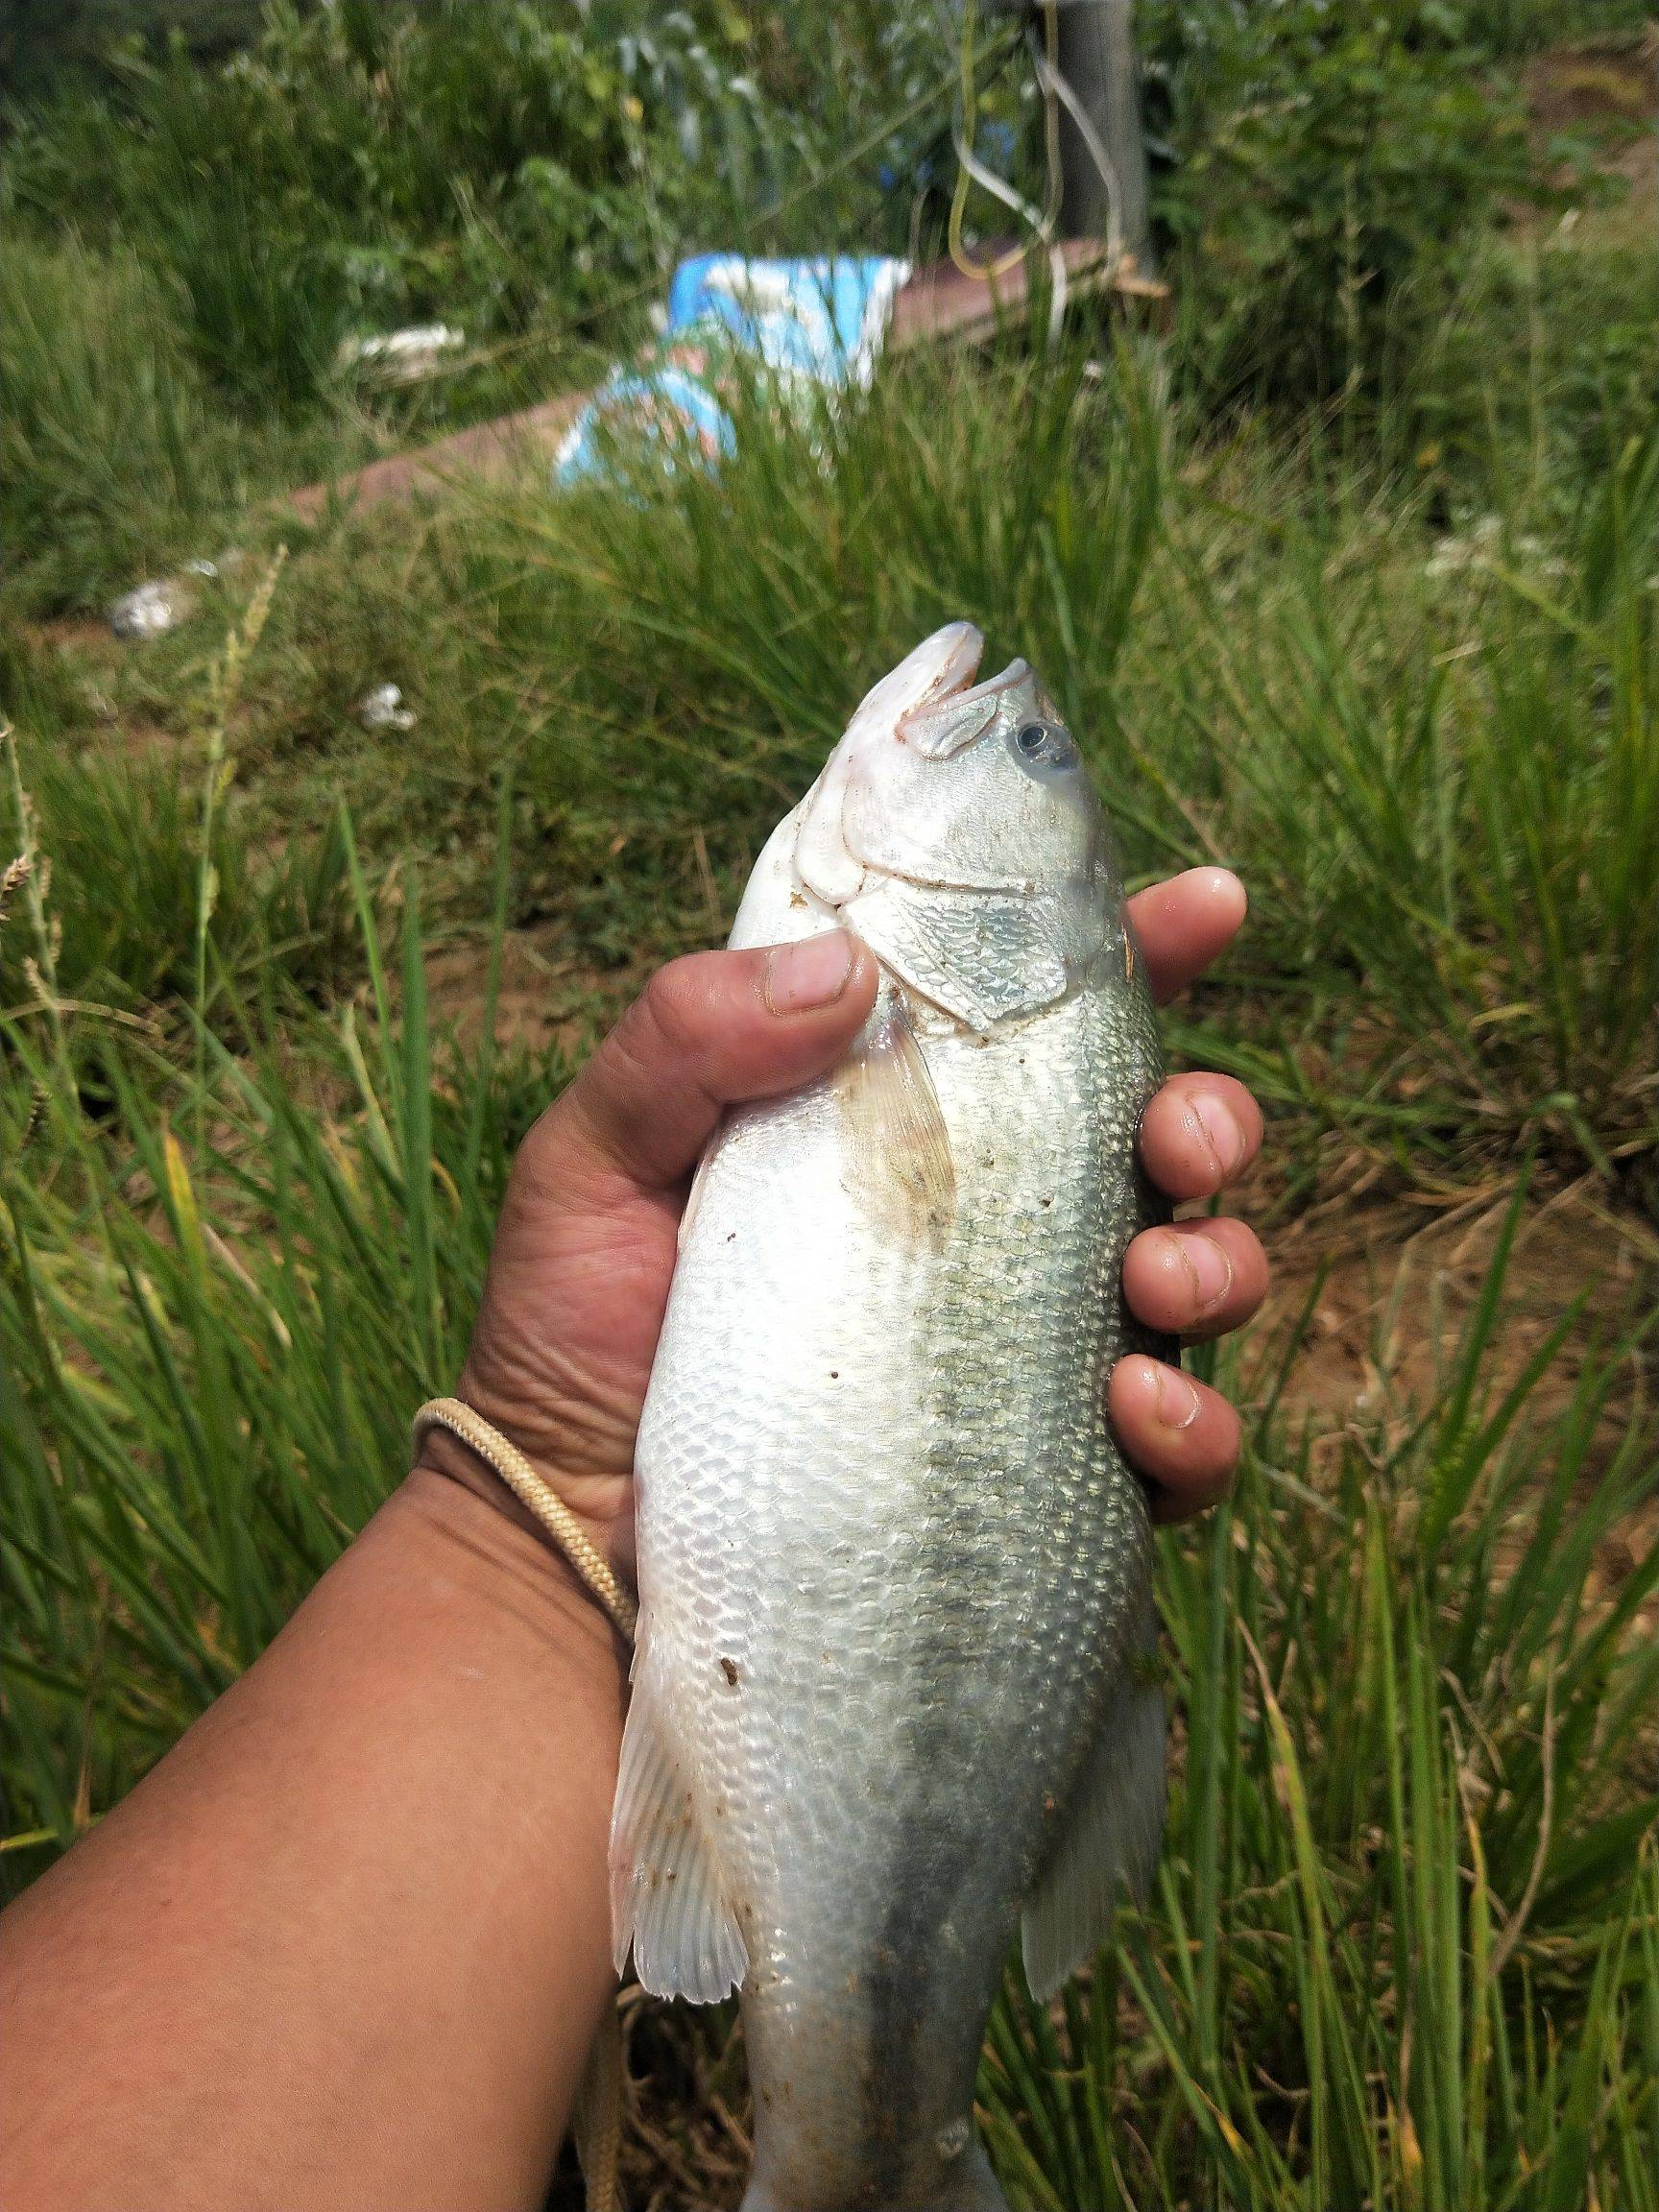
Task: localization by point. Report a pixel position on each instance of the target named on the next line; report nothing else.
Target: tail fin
(968, 2185)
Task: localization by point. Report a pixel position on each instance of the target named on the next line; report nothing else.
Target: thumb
(707, 1032)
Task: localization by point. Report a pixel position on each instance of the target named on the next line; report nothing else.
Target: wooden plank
(942, 303)
(505, 447)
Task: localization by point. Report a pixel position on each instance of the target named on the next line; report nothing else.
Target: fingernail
(812, 973)
(1206, 1265)
(1177, 1400)
(1220, 1126)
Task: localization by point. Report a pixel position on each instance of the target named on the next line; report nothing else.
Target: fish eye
(1044, 745)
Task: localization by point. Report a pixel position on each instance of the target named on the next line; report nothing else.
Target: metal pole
(1096, 57)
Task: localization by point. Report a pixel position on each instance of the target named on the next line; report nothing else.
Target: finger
(1198, 1134)
(1196, 1278)
(706, 1032)
(1182, 1436)
(1183, 925)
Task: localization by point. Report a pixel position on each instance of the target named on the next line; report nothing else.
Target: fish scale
(893, 1568)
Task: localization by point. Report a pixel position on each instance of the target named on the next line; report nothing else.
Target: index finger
(1181, 925)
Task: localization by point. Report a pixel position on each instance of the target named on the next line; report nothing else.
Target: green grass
(1422, 737)
(125, 839)
(107, 462)
(146, 881)
(117, 463)
(235, 1271)
(1425, 752)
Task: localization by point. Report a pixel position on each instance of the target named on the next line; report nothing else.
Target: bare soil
(1605, 91)
(1388, 1289)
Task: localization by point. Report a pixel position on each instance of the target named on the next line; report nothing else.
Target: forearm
(349, 1943)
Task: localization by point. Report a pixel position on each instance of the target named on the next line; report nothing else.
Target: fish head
(956, 829)
(941, 780)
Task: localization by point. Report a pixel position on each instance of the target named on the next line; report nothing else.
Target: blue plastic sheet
(804, 326)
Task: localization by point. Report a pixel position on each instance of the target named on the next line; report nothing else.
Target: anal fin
(667, 1895)
(1114, 1825)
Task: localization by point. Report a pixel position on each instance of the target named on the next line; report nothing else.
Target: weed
(108, 463)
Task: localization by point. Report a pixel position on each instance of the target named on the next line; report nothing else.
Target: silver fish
(890, 1690)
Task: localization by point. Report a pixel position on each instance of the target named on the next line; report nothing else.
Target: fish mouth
(954, 710)
(993, 687)
(961, 645)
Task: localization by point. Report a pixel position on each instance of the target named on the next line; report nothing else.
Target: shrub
(1323, 155)
(358, 166)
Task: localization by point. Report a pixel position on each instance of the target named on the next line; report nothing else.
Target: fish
(894, 1696)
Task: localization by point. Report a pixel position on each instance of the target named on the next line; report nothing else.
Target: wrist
(464, 1497)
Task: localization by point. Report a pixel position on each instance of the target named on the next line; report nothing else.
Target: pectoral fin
(899, 1158)
(1113, 1828)
(694, 1196)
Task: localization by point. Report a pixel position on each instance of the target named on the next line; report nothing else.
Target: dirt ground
(1606, 92)
(1393, 1284)
(539, 997)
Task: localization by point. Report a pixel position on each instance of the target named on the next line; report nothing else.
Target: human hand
(586, 1243)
